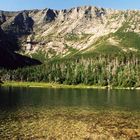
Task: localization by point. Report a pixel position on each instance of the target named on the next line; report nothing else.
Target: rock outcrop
(60, 32)
(2, 17)
(8, 58)
(19, 25)
(50, 16)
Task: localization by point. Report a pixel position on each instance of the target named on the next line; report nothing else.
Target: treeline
(101, 70)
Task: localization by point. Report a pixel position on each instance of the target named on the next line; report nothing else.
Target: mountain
(45, 34)
(8, 58)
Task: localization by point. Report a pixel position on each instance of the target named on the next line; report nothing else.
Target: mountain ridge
(52, 33)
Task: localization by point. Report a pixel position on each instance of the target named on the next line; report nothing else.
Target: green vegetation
(40, 55)
(106, 48)
(76, 37)
(112, 61)
(129, 39)
(99, 70)
(124, 43)
(71, 51)
(47, 85)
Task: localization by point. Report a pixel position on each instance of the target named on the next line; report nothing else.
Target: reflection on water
(39, 113)
(17, 97)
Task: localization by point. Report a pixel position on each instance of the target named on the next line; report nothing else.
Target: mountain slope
(8, 58)
(51, 33)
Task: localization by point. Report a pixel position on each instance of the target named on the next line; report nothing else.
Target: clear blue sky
(12, 5)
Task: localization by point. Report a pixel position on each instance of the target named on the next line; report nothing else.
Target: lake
(69, 114)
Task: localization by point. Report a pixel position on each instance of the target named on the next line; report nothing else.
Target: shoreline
(59, 86)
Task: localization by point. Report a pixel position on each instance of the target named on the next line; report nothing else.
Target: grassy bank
(47, 85)
(56, 85)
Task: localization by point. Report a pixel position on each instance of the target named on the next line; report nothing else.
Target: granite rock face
(2, 17)
(50, 16)
(55, 32)
(21, 24)
(8, 58)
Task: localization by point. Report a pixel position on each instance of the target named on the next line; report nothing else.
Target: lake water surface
(66, 114)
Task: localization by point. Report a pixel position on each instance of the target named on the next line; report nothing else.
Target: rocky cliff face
(8, 58)
(59, 33)
(2, 18)
(19, 24)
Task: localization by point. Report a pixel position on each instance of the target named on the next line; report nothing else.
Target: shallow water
(66, 114)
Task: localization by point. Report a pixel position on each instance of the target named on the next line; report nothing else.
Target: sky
(15, 5)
